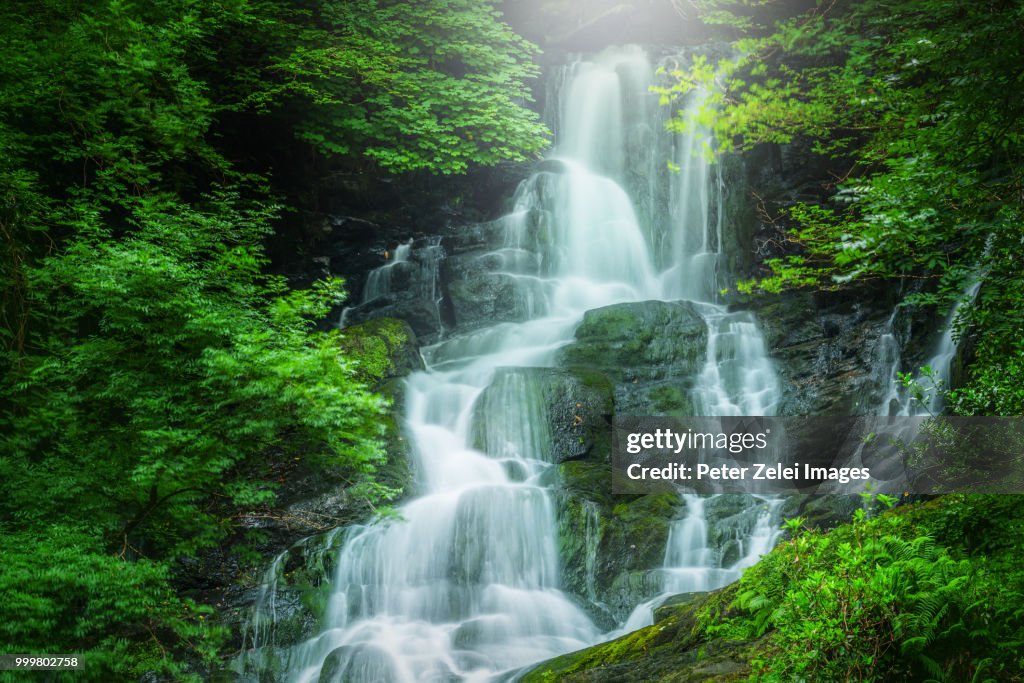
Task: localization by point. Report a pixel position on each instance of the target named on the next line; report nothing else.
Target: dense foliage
(917, 106)
(411, 85)
(934, 593)
(152, 375)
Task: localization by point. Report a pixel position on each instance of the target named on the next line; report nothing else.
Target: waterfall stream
(466, 585)
(898, 400)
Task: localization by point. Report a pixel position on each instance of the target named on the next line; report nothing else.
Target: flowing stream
(466, 585)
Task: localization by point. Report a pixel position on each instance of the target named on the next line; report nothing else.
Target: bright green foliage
(63, 591)
(933, 593)
(154, 380)
(917, 104)
(411, 85)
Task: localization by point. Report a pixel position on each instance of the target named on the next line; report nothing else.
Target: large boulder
(555, 415)
(609, 545)
(651, 350)
(640, 341)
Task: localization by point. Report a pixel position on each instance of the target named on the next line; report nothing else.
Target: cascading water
(413, 272)
(466, 585)
(378, 282)
(738, 377)
(897, 400)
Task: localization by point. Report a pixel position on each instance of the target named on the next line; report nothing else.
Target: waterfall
(412, 272)
(738, 377)
(378, 282)
(465, 585)
(897, 400)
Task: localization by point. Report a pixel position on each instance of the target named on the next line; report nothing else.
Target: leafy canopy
(432, 86)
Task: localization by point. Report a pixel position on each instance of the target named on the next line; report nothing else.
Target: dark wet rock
(486, 298)
(570, 411)
(411, 290)
(651, 350)
(826, 348)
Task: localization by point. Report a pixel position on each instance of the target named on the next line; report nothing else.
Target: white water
(378, 282)
(466, 586)
(897, 400)
(404, 274)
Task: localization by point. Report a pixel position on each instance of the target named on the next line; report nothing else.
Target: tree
(424, 85)
(152, 373)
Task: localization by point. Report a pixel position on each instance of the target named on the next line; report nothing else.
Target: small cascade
(688, 558)
(276, 597)
(897, 401)
(260, 628)
(412, 276)
(378, 282)
(693, 563)
(695, 263)
(738, 376)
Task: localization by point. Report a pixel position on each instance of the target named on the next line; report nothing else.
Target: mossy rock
(646, 340)
(384, 348)
(634, 534)
(667, 651)
(671, 604)
(604, 538)
(826, 512)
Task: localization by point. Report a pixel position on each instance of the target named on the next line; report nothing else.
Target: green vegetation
(154, 378)
(923, 592)
(915, 107)
(934, 593)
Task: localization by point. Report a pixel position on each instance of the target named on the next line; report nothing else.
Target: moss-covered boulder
(644, 340)
(611, 546)
(651, 350)
(384, 348)
(666, 651)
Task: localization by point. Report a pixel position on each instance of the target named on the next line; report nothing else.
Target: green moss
(382, 348)
(669, 650)
(656, 338)
(671, 399)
